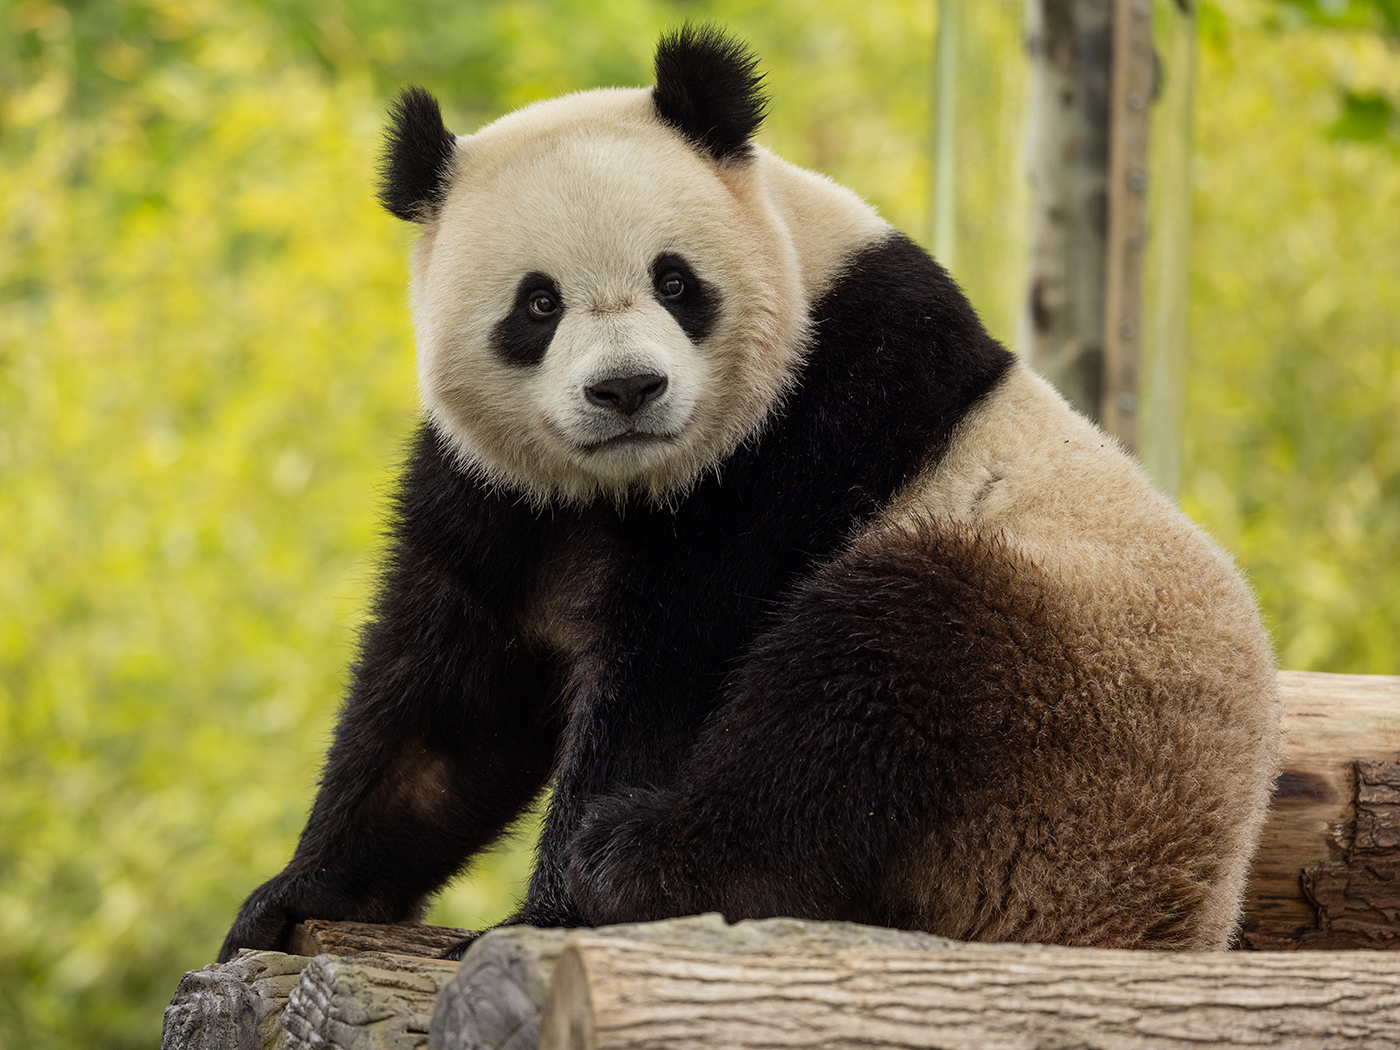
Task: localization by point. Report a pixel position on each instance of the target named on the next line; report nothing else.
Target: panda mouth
(630, 439)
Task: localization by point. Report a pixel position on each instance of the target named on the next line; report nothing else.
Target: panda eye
(542, 304)
(671, 285)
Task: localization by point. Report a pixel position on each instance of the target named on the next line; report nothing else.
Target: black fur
(866, 717)
(521, 337)
(415, 167)
(447, 733)
(708, 88)
(696, 309)
(449, 702)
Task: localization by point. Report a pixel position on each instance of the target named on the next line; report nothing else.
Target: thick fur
(708, 89)
(851, 617)
(416, 167)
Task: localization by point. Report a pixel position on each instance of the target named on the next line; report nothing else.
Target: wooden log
(1311, 857)
(370, 1001)
(620, 994)
(322, 937)
(234, 1006)
(496, 999)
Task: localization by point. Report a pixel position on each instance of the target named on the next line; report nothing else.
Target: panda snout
(626, 394)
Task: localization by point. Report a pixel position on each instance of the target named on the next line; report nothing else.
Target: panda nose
(626, 394)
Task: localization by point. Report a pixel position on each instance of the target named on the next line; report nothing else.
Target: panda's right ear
(416, 165)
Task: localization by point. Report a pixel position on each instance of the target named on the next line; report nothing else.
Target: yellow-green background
(206, 383)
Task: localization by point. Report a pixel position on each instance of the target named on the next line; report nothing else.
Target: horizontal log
(322, 937)
(1331, 722)
(621, 994)
(495, 1000)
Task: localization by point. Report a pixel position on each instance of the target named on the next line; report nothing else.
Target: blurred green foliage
(1366, 115)
(206, 381)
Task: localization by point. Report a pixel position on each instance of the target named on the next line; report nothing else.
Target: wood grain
(234, 1006)
(370, 1001)
(617, 994)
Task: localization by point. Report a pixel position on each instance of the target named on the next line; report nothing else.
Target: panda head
(605, 300)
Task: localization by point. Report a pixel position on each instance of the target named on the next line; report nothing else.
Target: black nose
(626, 393)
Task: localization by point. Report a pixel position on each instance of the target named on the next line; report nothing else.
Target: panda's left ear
(708, 88)
(416, 165)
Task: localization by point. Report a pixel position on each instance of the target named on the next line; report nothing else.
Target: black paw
(623, 863)
(266, 918)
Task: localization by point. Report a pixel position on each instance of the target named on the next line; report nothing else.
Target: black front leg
(447, 735)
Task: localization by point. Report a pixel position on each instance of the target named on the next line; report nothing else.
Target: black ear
(416, 163)
(708, 89)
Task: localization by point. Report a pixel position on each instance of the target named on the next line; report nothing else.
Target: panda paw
(622, 865)
(265, 919)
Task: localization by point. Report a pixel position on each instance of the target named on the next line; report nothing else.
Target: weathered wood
(1358, 897)
(495, 1001)
(370, 1001)
(1331, 722)
(619, 994)
(322, 937)
(233, 1006)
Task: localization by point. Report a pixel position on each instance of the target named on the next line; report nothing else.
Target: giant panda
(728, 520)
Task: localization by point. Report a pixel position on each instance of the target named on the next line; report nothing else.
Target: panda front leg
(447, 734)
(940, 736)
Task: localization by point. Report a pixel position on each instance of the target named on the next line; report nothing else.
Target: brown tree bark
(322, 937)
(1327, 874)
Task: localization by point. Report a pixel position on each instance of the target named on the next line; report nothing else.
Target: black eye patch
(691, 301)
(522, 336)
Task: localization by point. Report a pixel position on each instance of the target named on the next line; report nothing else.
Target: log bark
(370, 1001)
(496, 999)
(322, 937)
(234, 1006)
(1327, 874)
(619, 994)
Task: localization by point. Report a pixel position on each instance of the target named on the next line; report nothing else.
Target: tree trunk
(494, 1002)
(1068, 146)
(234, 1006)
(612, 994)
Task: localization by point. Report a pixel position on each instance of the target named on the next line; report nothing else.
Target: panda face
(600, 309)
